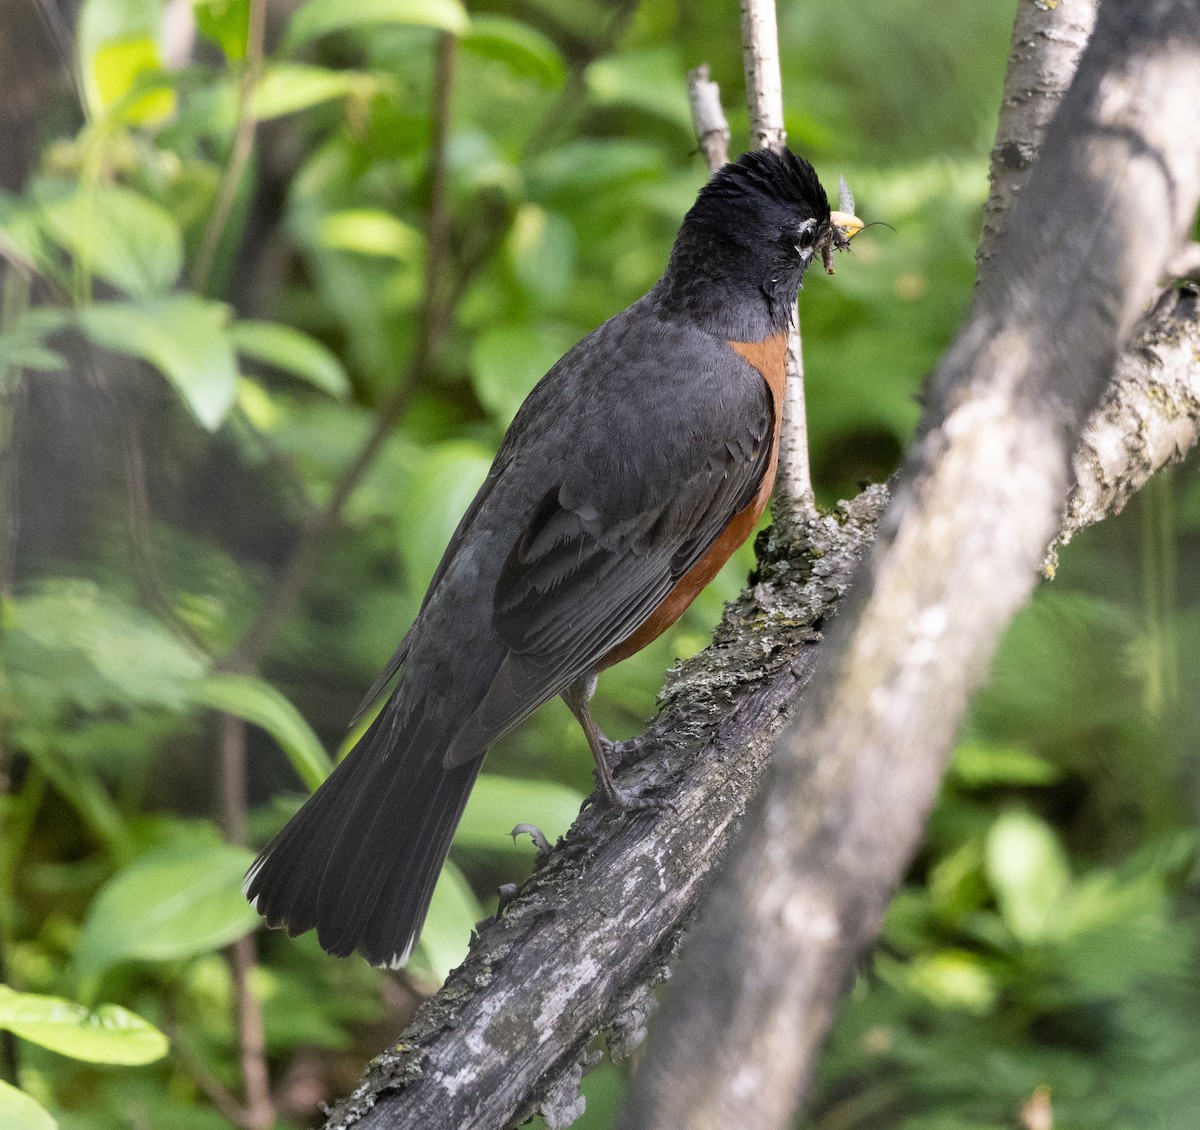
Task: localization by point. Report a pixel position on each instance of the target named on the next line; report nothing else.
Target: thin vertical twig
(708, 117)
(764, 98)
(258, 1112)
(243, 145)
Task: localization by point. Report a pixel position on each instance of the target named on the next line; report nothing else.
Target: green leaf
(184, 337)
(118, 49)
(24, 346)
(291, 351)
(169, 904)
(80, 648)
(107, 1034)
(446, 935)
(260, 703)
(320, 17)
(524, 50)
(542, 245)
(979, 764)
(652, 81)
(288, 87)
(117, 235)
(371, 231)
(1028, 871)
(954, 979)
(226, 23)
(19, 1112)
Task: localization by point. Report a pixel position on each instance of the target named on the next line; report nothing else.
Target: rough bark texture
(1150, 417)
(1106, 206)
(1046, 44)
(492, 1045)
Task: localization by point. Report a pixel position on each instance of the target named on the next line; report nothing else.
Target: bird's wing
(605, 547)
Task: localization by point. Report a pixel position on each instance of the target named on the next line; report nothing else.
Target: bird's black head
(743, 248)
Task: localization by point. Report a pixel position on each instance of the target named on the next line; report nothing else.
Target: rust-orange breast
(769, 357)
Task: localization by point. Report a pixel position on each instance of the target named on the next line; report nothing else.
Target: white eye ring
(806, 236)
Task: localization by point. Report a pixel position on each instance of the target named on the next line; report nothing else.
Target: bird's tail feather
(360, 859)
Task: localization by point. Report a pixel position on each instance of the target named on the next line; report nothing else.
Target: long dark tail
(359, 861)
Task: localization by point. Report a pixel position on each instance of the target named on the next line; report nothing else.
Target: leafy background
(190, 360)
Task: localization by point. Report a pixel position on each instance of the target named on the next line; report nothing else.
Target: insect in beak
(846, 225)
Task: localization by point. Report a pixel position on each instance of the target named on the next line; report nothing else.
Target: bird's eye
(805, 237)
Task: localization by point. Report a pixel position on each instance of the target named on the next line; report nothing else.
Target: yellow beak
(847, 224)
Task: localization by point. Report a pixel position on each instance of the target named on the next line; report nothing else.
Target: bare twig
(708, 117)
(1149, 418)
(764, 95)
(258, 1112)
(214, 1090)
(243, 144)
(764, 85)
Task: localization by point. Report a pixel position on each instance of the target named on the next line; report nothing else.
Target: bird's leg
(578, 696)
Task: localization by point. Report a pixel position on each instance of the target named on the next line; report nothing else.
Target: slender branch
(764, 84)
(258, 1112)
(764, 96)
(243, 144)
(708, 117)
(213, 1089)
(1149, 419)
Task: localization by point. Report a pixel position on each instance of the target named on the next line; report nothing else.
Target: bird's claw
(628, 800)
(534, 833)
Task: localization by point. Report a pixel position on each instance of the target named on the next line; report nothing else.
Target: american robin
(631, 473)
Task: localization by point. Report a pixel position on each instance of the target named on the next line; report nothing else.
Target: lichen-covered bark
(1150, 417)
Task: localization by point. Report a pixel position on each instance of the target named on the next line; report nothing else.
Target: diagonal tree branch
(579, 952)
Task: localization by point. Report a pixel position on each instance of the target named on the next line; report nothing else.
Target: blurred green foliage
(171, 430)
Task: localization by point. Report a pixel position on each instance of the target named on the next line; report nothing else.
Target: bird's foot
(621, 755)
(609, 794)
